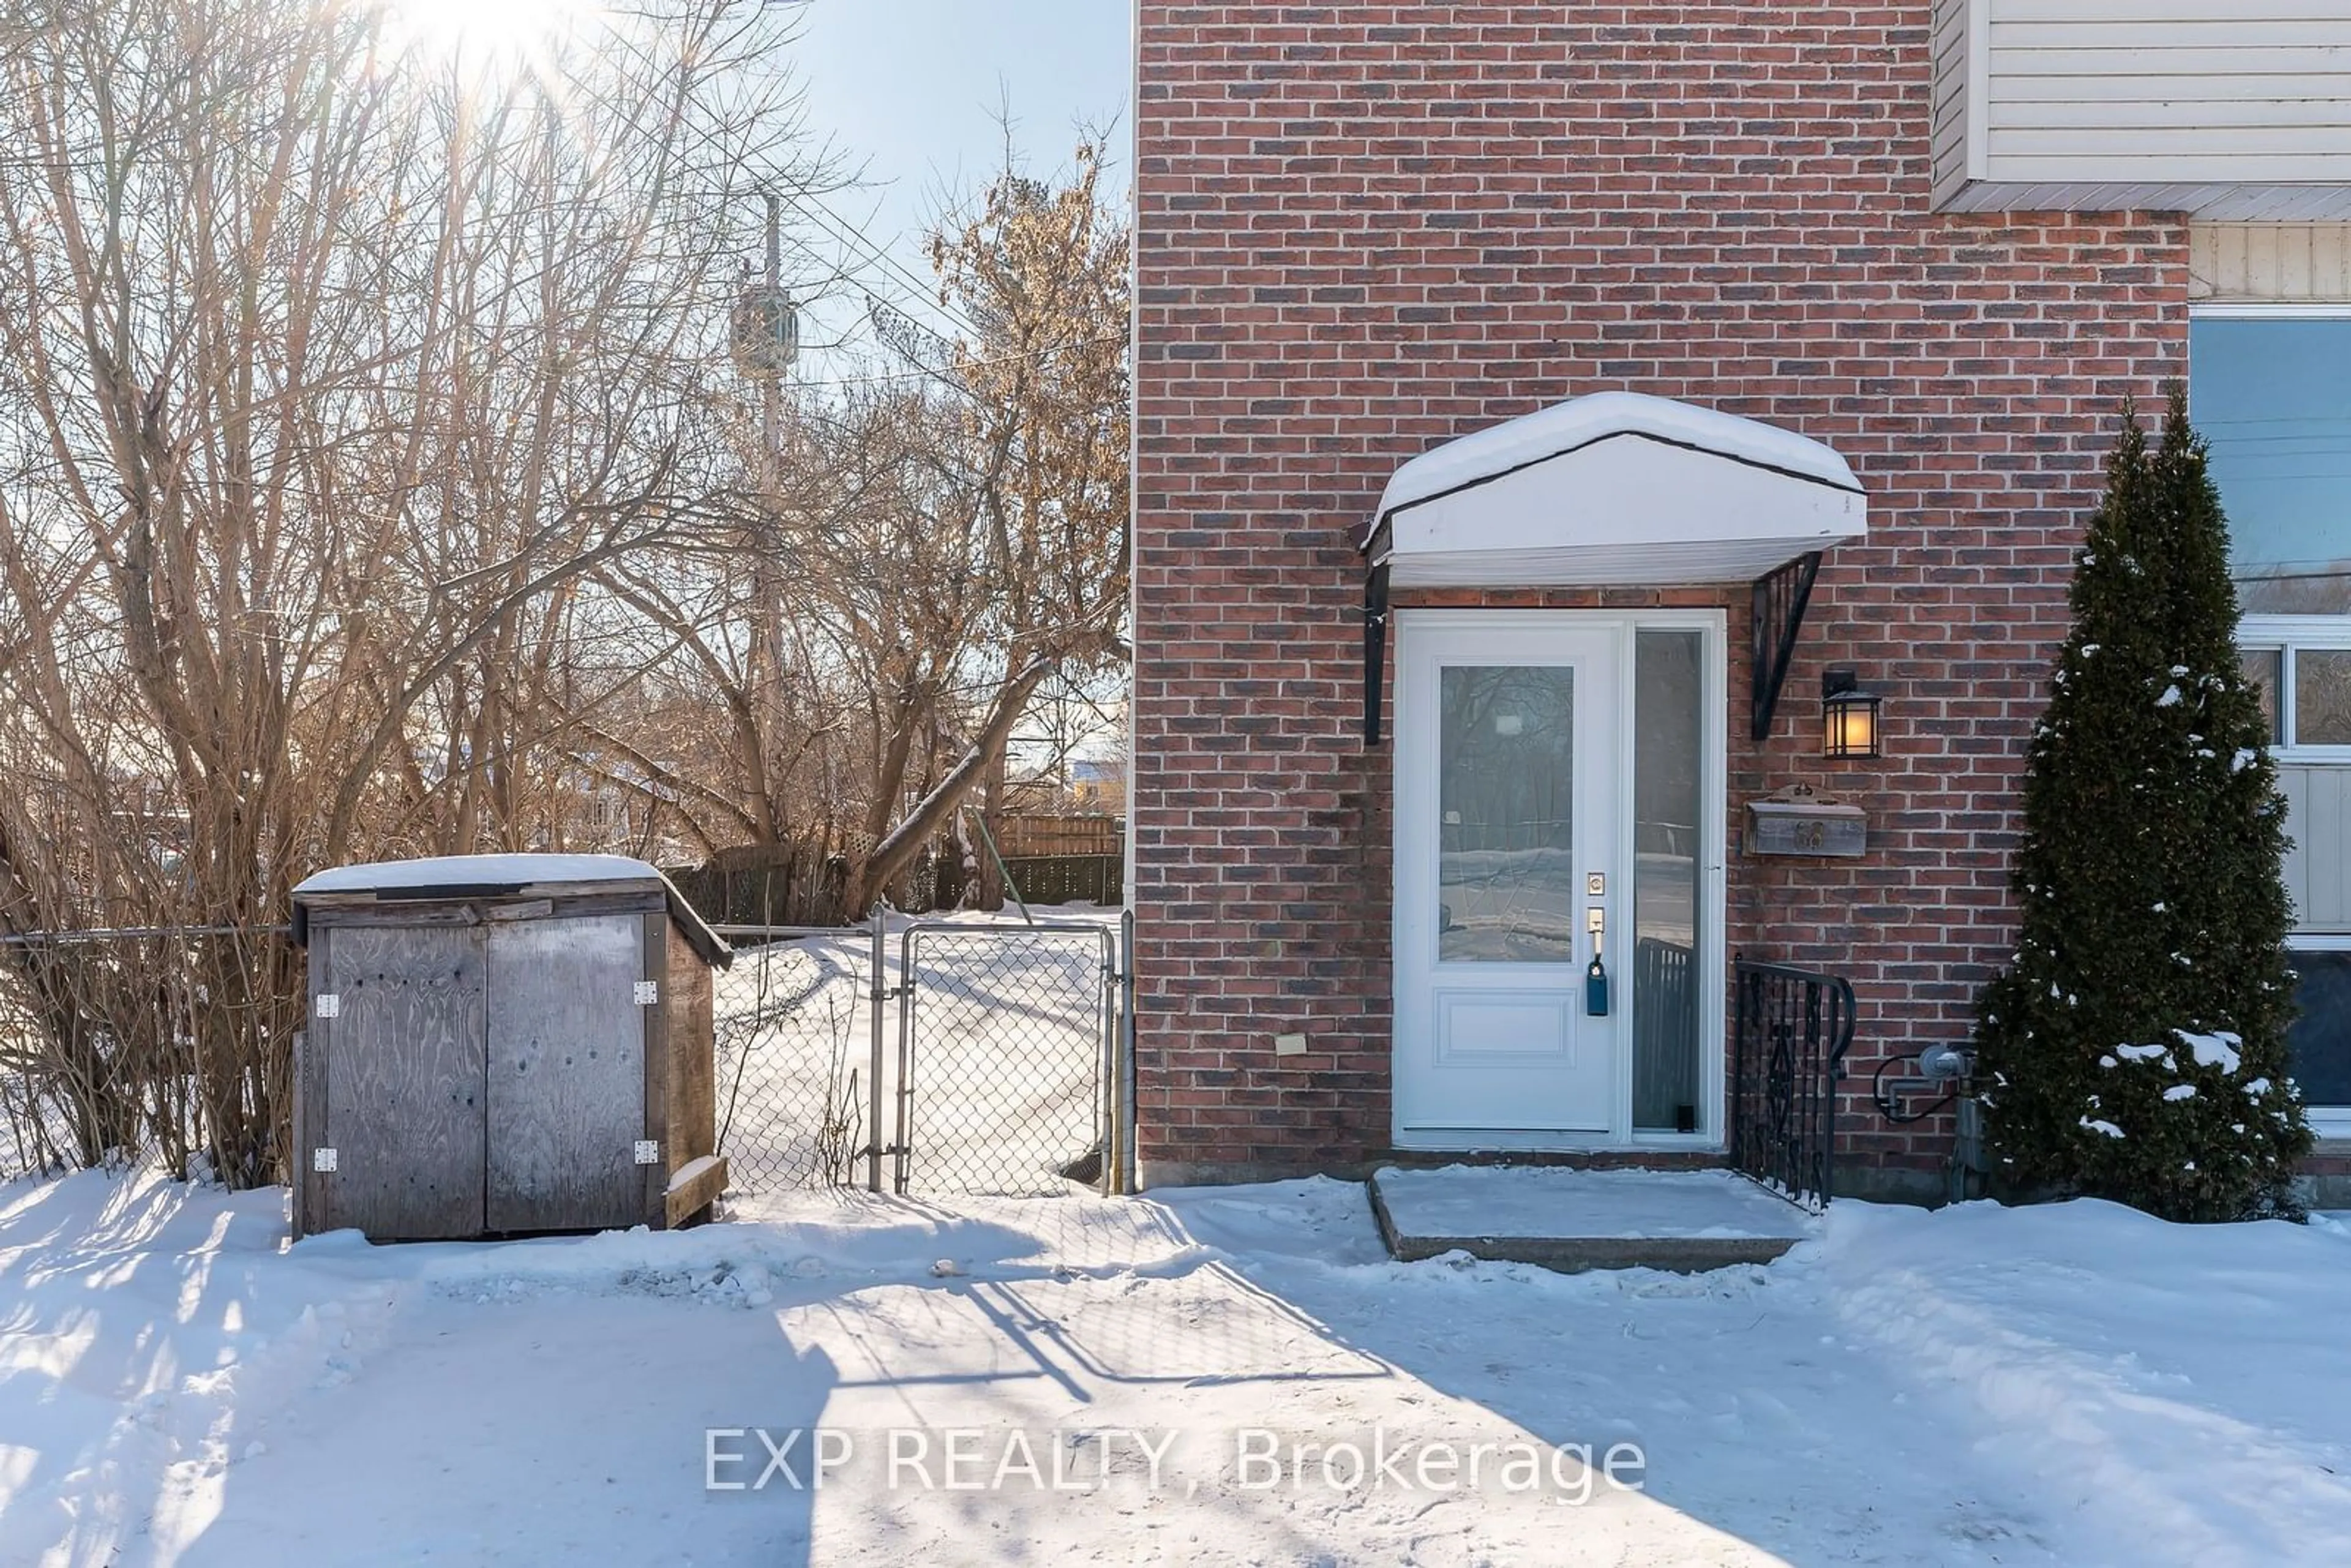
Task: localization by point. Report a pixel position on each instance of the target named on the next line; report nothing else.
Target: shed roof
(507, 876)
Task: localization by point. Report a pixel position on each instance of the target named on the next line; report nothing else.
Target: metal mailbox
(1797, 821)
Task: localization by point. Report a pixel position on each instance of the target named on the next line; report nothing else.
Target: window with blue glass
(2319, 1043)
(2272, 396)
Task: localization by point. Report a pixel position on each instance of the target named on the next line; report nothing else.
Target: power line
(973, 364)
(2331, 419)
(814, 207)
(839, 227)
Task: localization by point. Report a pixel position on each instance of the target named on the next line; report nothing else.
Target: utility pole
(766, 341)
(771, 388)
(766, 590)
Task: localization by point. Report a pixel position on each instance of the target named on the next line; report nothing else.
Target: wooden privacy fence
(1029, 837)
(1051, 860)
(786, 884)
(1064, 859)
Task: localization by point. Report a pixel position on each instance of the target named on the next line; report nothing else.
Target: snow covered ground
(2075, 1385)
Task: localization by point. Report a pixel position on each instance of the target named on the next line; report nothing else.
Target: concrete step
(1572, 1219)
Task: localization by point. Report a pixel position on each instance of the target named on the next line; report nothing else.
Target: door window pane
(2272, 398)
(2322, 696)
(1506, 847)
(1668, 729)
(2318, 1045)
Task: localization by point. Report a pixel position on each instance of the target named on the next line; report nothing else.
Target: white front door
(1510, 812)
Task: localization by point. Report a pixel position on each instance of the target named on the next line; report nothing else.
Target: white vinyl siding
(2270, 264)
(2318, 859)
(2239, 111)
(1951, 83)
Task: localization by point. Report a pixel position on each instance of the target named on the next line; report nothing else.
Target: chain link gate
(1001, 1070)
(1008, 1036)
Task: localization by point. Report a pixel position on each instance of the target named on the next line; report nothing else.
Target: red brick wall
(1365, 229)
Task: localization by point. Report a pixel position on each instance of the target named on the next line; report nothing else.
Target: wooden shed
(501, 1044)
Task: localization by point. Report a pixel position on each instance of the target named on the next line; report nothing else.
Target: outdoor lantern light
(1848, 716)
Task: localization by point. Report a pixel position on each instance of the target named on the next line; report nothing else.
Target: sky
(910, 91)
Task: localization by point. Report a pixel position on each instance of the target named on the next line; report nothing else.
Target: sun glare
(488, 32)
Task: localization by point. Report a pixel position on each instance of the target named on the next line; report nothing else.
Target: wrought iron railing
(1791, 1031)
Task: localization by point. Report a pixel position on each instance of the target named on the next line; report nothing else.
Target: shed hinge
(328, 1005)
(648, 993)
(648, 1151)
(322, 1159)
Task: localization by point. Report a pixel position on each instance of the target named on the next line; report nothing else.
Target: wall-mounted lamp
(1848, 716)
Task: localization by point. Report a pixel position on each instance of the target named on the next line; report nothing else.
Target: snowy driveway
(2073, 1386)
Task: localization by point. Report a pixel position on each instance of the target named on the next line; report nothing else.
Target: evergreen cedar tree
(2137, 1050)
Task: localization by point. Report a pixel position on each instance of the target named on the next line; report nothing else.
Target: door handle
(1595, 975)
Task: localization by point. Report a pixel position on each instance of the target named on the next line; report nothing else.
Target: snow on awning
(1613, 489)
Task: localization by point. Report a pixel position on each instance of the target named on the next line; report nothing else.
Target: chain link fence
(1005, 1053)
(795, 1048)
(128, 1044)
(939, 1056)
(992, 1073)
(36, 1132)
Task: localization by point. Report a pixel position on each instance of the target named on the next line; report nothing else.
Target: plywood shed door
(567, 1073)
(404, 1105)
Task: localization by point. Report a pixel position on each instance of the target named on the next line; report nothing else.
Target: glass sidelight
(1668, 887)
(1507, 888)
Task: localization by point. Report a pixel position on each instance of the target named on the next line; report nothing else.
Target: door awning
(1612, 489)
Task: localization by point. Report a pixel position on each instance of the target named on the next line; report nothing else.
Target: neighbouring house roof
(507, 876)
(1612, 489)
